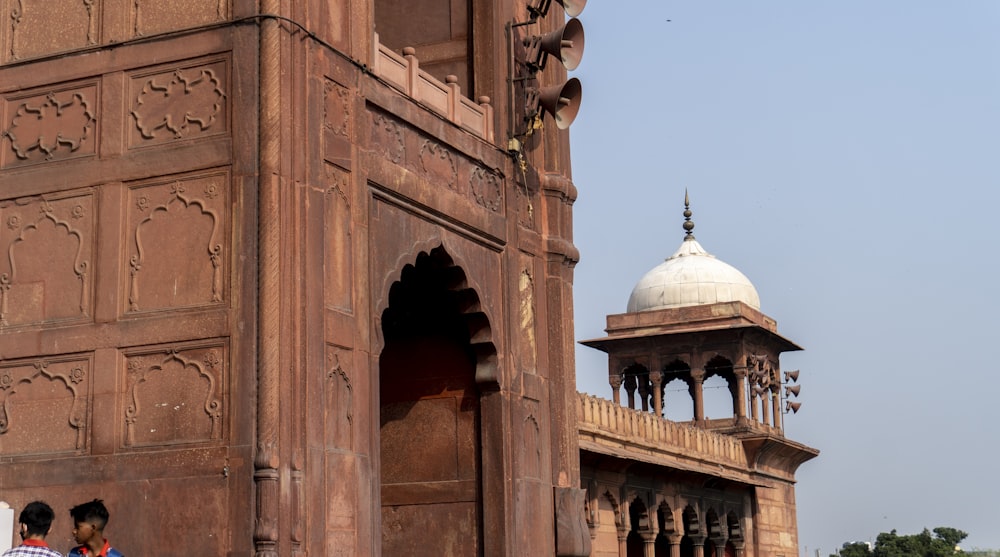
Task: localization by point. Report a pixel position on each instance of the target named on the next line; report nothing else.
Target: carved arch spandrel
(175, 395)
(178, 245)
(49, 241)
(50, 396)
(476, 314)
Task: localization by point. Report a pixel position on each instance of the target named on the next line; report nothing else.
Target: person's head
(36, 519)
(89, 520)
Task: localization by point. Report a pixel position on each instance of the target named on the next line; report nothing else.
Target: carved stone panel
(337, 239)
(178, 245)
(487, 189)
(49, 125)
(46, 275)
(440, 165)
(44, 406)
(180, 102)
(437, 164)
(336, 108)
(339, 399)
(39, 27)
(526, 314)
(175, 395)
(155, 16)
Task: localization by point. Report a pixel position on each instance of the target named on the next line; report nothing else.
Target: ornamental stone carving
(50, 126)
(179, 104)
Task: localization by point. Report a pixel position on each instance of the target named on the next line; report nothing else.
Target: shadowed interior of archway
(430, 415)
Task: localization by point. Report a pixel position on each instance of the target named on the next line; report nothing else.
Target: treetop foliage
(942, 543)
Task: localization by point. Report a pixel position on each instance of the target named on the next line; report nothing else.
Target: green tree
(856, 549)
(940, 543)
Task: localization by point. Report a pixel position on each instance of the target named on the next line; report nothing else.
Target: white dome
(691, 277)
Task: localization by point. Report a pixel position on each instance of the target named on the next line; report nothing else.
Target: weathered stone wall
(202, 231)
(123, 198)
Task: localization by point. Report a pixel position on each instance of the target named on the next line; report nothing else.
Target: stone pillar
(622, 542)
(776, 405)
(648, 543)
(644, 392)
(720, 547)
(740, 546)
(697, 379)
(675, 544)
(741, 396)
(656, 378)
(630, 390)
(699, 545)
(615, 379)
(765, 408)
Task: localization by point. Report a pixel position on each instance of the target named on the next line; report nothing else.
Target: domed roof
(691, 277)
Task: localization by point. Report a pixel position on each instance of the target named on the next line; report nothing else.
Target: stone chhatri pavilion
(713, 487)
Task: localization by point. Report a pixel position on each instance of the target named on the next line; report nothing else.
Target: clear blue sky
(846, 157)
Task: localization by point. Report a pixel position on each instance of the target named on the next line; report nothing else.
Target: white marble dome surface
(691, 277)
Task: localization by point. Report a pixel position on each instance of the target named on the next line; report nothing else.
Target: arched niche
(436, 340)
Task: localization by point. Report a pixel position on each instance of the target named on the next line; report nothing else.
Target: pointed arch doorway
(431, 412)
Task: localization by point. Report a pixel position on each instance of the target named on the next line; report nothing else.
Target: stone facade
(271, 284)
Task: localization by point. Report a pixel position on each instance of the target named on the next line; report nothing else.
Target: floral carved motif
(51, 126)
(388, 138)
(438, 163)
(180, 104)
(336, 108)
(487, 189)
(174, 396)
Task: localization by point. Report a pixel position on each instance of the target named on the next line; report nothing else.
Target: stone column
(675, 544)
(741, 396)
(615, 379)
(622, 542)
(644, 392)
(656, 378)
(699, 545)
(765, 408)
(648, 543)
(720, 547)
(776, 405)
(697, 379)
(630, 390)
(740, 546)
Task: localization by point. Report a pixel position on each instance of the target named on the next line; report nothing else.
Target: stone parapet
(601, 422)
(404, 73)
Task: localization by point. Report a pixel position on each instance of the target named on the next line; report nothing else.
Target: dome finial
(688, 223)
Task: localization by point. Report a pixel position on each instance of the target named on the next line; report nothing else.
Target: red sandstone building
(296, 279)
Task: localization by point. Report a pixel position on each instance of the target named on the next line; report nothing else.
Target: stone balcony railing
(444, 98)
(602, 424)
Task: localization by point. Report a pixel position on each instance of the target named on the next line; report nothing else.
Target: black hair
(93, 512)
(37, 517)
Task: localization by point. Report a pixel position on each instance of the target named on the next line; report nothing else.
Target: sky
(845, 156)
